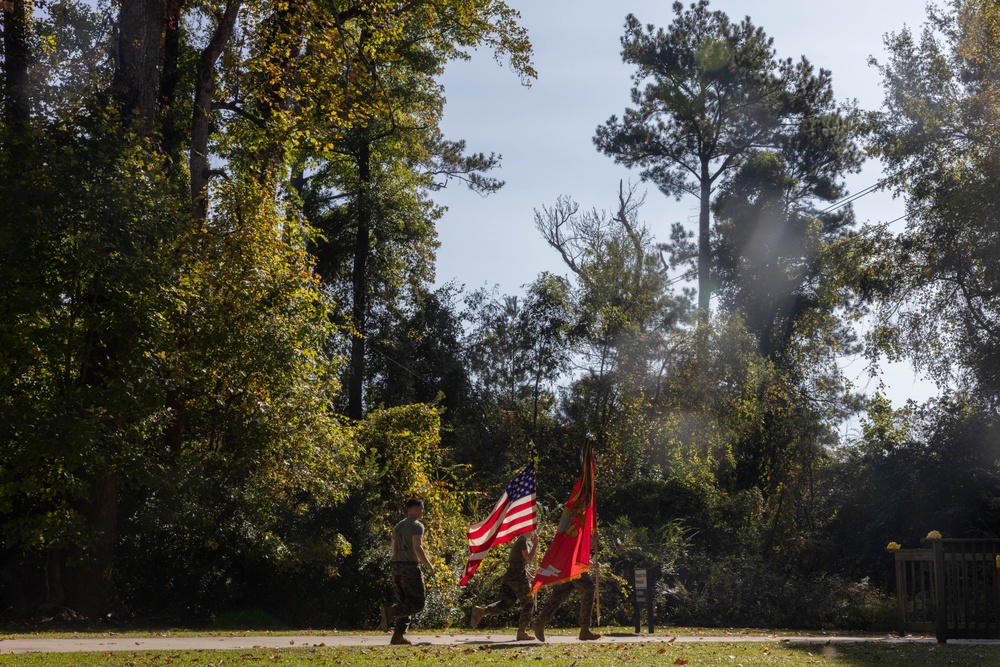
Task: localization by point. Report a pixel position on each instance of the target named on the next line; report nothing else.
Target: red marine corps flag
(569, 554)
(516, 512)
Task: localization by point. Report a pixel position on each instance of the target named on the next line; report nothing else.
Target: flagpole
(597, 578)
(597, 545)
(534, 566)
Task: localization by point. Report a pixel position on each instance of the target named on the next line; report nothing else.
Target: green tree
(16, 63)
(934, 284)
(624, 315)
(89, 260)
(708, 92)
(914, 469)
(402, 456)
(516, 349)
(370, 181)
(168, 343)
(777, 259)
(763, 145)
(937, 282)
(780, 269)
(418, 354)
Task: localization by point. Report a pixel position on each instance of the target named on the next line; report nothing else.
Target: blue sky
(544, 132)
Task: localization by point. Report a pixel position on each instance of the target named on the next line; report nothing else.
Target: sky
(544, 132)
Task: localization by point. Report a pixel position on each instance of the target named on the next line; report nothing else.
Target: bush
(749, 590)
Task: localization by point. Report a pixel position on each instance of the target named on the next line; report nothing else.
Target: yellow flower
(933, 535)
(894, 546)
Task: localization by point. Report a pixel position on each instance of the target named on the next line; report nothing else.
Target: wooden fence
(966, 606)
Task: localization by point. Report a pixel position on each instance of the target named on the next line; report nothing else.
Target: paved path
(166, 643)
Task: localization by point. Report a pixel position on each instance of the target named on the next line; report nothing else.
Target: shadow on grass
(877, 654)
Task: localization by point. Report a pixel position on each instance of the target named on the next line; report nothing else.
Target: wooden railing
(916, 586)
(966, 606)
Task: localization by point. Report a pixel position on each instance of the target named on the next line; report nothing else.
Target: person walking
(404, 571)
(515, 586)
(567, 562)
(584, 586)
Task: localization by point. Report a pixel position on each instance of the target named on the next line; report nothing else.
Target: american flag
(516, 512)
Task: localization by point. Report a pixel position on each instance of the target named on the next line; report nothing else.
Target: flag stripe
(507, 530)
(516, 512)
(482, 528)
(523, 507)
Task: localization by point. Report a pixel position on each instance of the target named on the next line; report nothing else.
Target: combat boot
(522, 635)
(587, 636)
(398, 638)
(540, 629)
(477, 615)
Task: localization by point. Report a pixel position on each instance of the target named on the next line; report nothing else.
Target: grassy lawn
(734, 654)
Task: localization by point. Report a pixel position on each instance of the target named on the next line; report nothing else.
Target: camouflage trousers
(584, 587)
(408, 587)
(514, 588)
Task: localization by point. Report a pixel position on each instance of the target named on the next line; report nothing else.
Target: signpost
(643, 581)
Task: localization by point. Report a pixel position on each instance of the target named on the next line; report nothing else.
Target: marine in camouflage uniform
(584, 587)
(408, 589)
(404, 572)
(514, 587)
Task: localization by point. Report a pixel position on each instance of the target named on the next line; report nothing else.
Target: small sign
(643, 582)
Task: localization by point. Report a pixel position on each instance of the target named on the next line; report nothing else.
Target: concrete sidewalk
(162, 643)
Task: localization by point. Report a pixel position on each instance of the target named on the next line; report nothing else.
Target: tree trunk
(92, 589)
(135, 88)
(17, 55)
(55, 592)
(89, 587)
(203, 94)
(359, 285)
(171, 76)
(704, 247)
(137, 61)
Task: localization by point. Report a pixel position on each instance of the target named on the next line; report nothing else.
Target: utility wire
(852, 198)
(867, 191)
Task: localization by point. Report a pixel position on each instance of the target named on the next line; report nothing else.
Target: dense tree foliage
(938, 137)
(934, 285)
(223, 362)
(171, 357)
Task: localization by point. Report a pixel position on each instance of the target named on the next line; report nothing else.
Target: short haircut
(414, 502)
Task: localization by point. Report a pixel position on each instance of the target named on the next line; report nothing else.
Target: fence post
(940, 585)
(901, 593)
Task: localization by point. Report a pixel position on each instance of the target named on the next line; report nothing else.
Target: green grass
(651, 654)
